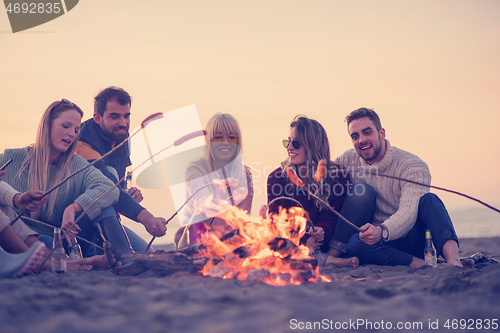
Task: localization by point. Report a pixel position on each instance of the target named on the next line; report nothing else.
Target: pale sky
(430, 69)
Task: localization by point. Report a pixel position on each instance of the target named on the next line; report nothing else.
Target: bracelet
(14, 200)
(74, 206)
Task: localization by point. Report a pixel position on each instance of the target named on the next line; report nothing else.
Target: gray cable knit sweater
(84, 188)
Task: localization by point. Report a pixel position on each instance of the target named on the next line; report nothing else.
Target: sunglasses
(220, 138)
(295, 143)
(67, 102)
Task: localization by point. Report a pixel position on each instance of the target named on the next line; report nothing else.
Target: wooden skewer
(181, 140)
(177, 211)
(298, 182)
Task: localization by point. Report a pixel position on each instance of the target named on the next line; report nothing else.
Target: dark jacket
(279, 185)
(93, 144)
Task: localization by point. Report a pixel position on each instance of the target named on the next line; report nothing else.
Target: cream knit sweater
(397, 201)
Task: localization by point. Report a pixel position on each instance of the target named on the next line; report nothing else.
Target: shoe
(17, 264)
(113, 232)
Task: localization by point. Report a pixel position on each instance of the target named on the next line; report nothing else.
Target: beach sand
(100, 301)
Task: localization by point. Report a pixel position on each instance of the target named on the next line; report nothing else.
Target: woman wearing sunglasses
(223, 161)
(51, 159)
(306, 145)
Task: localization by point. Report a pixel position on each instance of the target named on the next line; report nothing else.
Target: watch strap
(385, 232)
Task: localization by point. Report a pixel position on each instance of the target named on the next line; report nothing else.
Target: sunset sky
(430, 69)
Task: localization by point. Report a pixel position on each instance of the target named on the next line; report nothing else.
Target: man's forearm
(144, 215)
(128, 207)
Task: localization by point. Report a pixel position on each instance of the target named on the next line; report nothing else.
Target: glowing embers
(261, 249)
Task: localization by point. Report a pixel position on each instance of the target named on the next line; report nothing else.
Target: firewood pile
(267, 250)
(190, 259)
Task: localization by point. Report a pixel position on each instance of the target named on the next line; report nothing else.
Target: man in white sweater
(394, 233)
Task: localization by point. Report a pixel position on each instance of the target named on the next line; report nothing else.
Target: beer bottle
(75, 251)
(430, 252)
(59, 255)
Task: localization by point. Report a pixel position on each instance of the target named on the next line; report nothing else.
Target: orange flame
(268, 250)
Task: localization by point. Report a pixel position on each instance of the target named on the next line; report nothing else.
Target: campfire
(263, 249)
(267, 250)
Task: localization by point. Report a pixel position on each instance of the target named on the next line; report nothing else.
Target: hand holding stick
(298, 182)
(179, 141)
(77, 172)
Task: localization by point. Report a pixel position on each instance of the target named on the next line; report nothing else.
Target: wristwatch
(385, 232)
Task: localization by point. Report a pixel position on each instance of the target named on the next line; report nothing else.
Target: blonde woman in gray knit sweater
(51, 159)
(395, 235)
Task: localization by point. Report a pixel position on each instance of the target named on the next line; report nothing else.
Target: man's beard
(376, 150)
(115, 137)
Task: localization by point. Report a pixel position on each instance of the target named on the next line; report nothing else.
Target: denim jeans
(432, 215)
(358, 208)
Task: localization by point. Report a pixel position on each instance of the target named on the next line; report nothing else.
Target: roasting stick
(298, 182)
(51, 226)
(183, 240)
(78, 171)
(63, 233)
(321, 171)
(309, 223)
(178, 210)
(176, 143)
(443, 189)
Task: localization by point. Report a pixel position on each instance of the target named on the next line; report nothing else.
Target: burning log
(254, 250)
(283, 246)
(192, 250)
(302, 264)
(258, 275)
(238, 255)
(162, 263)
(219, 270)
(232, 238)
(303, 276)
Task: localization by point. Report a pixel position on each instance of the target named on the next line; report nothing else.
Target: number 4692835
(471, 324)
(33, 8)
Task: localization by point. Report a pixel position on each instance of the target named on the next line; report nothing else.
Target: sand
(363, 298)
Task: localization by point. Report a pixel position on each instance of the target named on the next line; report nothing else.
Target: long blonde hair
(224, 123)
(38, 160)
(205, 165)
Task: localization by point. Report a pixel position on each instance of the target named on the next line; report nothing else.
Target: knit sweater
(7, 194)
(84, 188)
(397, 200)
(7, 213)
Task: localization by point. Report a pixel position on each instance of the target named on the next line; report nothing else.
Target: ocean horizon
(469, 223)
(476, 222)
